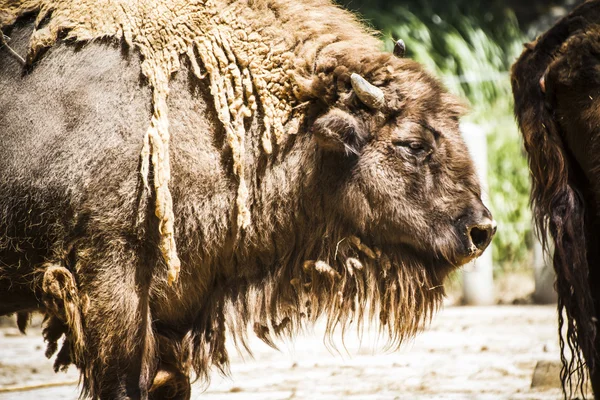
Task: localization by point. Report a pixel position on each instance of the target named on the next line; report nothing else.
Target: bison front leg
(120, 360)
(172, 381)
(170, 384)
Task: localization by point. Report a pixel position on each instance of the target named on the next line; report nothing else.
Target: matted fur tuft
(240, 66)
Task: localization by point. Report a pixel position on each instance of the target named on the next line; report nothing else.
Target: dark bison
(556, 84)
(172, 170)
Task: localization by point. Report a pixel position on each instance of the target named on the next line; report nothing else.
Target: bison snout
(480, 235)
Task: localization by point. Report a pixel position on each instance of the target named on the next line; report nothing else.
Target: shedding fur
(62, 316)
(239, 62)
(23, 319)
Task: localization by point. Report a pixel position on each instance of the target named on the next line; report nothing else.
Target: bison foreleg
(120, 356)
(170, 384)
(172, 380)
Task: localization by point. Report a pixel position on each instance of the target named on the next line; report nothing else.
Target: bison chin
(460, 249)
(445, 253)
(447, 243)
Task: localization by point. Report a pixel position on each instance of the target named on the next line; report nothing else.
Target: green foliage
(508, 179)
(472, 54)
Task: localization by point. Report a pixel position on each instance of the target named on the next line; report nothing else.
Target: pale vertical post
(544, 275)
(478, 277)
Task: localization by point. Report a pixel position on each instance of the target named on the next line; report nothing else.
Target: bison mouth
(445, 253)
(443, 246)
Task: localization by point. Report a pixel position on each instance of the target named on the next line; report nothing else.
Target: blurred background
(470, 45)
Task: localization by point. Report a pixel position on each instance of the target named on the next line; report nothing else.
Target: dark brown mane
(558, 205)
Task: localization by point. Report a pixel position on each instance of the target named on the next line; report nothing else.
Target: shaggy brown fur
(555, 84)
(356, 213)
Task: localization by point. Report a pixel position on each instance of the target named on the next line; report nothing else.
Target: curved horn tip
(400, 48)
(543, 84)
(369, 94)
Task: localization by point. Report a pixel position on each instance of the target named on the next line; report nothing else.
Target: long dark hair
(558, 205)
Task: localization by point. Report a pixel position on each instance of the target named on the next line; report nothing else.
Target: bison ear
(338, 131)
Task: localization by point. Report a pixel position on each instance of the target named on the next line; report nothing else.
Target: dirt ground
(467, 353)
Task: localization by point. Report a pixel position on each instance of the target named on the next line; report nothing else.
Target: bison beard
(562, 196)
(351, 286)
(289, 183)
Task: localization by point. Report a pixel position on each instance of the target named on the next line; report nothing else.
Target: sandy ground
(467, 353)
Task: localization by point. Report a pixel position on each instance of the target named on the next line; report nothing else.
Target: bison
(556, 85)
(172, 170)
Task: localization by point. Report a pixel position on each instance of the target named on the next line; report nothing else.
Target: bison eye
(414, 147)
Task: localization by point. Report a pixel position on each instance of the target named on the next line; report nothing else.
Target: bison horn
(399, 48)
(369, 94)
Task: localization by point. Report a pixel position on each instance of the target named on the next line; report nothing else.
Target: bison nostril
(481, 235)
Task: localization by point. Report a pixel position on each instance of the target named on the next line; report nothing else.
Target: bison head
(388, 201)
(400, 171)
